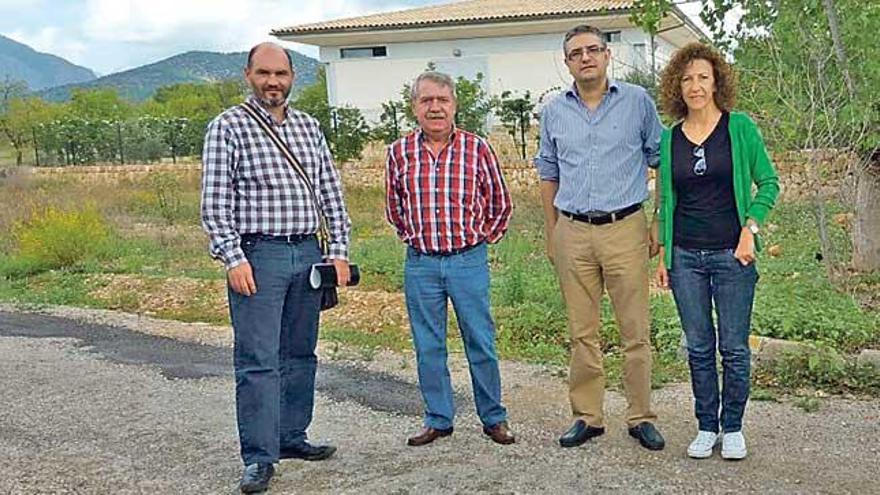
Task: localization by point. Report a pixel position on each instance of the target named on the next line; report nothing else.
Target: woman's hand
(745, 249)
(661, 274)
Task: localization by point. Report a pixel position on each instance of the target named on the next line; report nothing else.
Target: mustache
(433, 115)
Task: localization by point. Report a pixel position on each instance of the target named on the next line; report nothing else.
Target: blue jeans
(429, 281)
(698, 279)
(276, 331)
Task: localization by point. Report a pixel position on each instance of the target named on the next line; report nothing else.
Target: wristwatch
(753, 228)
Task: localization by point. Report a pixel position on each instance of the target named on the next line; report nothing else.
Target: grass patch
(823, 369)
(807, 404)
(395, 341)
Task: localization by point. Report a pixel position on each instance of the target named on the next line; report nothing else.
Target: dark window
(612, 36)
(363, 52)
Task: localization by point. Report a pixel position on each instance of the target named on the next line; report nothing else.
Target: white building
(515, 44)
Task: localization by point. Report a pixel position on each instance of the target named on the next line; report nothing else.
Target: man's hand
(745, 249)
(241, 279)
(548, 245)
(343, 272)
(654, 238)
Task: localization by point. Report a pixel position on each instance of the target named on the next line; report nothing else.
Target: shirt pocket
(464, 183)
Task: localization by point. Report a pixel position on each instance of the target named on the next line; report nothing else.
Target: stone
(871, 357)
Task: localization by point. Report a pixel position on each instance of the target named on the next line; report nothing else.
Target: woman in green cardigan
(708, 224)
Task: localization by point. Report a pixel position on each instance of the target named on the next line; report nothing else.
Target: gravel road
(91, 408)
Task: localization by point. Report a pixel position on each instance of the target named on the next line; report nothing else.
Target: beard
(268, 102)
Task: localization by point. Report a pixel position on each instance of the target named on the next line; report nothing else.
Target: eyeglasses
(579, 53)
(700, 164)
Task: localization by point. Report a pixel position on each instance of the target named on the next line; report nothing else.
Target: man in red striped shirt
(447, 199)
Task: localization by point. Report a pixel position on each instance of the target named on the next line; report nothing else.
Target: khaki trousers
(589, 259)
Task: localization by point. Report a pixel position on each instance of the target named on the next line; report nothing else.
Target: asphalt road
(88, 408)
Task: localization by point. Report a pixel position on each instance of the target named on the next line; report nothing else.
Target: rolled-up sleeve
(219, 159)
(546, 161)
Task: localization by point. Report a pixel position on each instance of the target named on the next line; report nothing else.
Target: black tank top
(705, 213)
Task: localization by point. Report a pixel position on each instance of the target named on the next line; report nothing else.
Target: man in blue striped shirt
(598, 139)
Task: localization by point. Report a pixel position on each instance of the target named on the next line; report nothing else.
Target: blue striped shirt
(599, 158)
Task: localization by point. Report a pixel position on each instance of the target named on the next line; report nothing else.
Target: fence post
(36, 147)
(119, 143)
(522, 129)
(394, 119)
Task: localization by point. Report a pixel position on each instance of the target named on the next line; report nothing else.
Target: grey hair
(435, 77)
(582, 29)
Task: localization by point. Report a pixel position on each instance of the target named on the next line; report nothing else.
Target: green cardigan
(751, 164)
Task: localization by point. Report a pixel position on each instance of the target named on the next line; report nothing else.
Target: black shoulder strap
(324, 230)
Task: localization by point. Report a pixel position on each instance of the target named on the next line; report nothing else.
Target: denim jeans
(698, 279)
(276, 331)
(429, 282)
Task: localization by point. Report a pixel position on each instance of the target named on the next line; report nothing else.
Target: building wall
(531, 63)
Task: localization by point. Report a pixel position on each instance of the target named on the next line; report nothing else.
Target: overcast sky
(112, 35)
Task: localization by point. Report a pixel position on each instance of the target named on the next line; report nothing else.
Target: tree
(472, 104)
(392, 122)
(516, 116)
(198, 104)
(344, 128)
(648, 14)
(10, 91)
(350, 133)
(20, 121)
(796, 81)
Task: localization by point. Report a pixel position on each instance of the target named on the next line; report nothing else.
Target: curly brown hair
(671, 100)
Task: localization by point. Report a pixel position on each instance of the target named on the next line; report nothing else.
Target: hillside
(196, 66)
(19, 62)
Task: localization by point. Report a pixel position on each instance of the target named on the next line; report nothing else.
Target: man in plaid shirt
(447, 199)
(262, 221)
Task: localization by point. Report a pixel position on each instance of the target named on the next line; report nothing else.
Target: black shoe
(308, 452)
(648, 436)
(256, 477)
(579, 433)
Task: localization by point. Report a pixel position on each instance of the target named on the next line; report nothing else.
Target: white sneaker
(701, 447)
(733, 447)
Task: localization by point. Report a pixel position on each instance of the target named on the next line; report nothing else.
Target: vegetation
(38, 70)
(154, 245)
(195, 67)
(515, 113)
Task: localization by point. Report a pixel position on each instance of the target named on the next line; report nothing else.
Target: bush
(53, 238)
(823, 368)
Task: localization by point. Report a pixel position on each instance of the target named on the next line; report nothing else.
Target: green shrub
(825, 369)
(166, 195)
(53, 238)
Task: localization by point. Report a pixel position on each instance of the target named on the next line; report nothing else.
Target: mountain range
(134, 84)
(19, 62)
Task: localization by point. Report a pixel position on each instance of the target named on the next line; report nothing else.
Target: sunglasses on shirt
(700, 163)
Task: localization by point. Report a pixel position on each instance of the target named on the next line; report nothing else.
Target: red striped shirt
(454, 200)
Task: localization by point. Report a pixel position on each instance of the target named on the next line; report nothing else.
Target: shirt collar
(613, 87)
(420, 134)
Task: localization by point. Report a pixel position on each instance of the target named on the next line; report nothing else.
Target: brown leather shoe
(427, 436)
(500, 433)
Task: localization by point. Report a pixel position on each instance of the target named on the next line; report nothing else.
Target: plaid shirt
(455, 200)
(248, 187)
